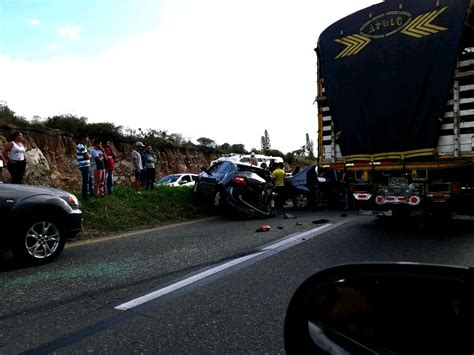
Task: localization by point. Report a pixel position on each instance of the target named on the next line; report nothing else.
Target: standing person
(278, 176)
(109, 167)
(1, 167)
(14, 155)
(97, 155)
(137, 164)
(84, 164)
(143, 174)
(150, 171)
(253, 159)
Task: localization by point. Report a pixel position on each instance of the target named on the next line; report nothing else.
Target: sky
(223, 69)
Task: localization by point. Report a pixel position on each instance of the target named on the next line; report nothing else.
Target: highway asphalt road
(213, 286)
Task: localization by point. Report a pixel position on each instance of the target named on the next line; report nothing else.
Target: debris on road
(264, 228)
(289, 215)
(320, 221)
(344, 215)
(280, 226)
(299, 223)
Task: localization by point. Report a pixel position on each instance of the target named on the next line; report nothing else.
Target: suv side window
(213, 169)
(225, 168)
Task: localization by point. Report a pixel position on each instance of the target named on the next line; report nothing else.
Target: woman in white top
(14, 155)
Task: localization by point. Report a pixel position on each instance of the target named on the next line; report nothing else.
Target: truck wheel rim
(42, 240)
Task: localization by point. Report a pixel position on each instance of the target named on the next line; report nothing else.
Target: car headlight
(72, 201)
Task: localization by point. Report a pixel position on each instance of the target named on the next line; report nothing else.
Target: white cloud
(53, 47)
(219, 69)
(33, 22)
(73, 32)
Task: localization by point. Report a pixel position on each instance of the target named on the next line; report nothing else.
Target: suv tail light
(240, 180)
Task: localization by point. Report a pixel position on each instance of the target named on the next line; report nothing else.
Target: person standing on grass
(109, 167)
(84, 165)
(150, 171)
(138, 165)
(14, 155)
(97, 155)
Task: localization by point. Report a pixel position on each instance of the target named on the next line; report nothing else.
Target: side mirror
(321, 179)
(203, 169)
(383, 308)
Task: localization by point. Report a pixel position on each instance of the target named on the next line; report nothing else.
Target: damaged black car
(234, 188)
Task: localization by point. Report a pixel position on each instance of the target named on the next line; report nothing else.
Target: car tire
(301, 200)
(40, 241)
(219, 200)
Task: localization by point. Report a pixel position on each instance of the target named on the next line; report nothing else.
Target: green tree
(265, 141)
(68, 124)
(309, 147)
(225, 148)
(238, 149)
(206, 142)
(9, 116)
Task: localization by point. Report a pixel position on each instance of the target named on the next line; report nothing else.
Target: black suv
(241, 188)
(36, 221)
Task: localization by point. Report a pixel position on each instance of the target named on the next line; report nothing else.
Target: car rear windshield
(265, 174)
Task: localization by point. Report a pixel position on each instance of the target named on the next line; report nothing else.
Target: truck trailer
(396, 106)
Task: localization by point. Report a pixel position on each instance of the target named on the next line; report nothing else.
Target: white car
(245, 159)
(177, 180)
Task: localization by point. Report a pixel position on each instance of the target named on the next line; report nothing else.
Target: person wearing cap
(137, 164)
(253, 159)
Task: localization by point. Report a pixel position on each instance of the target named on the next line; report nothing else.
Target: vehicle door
(208, 178)
(185, 180)
(7, 200)
(222, 174)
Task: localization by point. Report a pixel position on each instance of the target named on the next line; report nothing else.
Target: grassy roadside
(125, 210)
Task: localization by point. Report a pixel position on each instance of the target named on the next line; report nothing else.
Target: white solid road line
(164, 291)
(266, 252)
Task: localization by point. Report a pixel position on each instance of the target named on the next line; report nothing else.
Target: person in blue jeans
(109, 167)
(84, 164)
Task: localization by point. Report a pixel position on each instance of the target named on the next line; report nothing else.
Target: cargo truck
(396, 106)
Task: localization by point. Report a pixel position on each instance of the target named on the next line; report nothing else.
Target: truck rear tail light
(379, 200)
(362, 196)
(390, 199)
(414, 200)
(455, 188)
(240, 180)
(402, 199)
(439, 197)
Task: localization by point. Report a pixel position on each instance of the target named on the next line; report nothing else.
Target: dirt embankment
(51, 157)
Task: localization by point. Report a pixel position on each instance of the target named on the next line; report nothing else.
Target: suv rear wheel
(301, 200)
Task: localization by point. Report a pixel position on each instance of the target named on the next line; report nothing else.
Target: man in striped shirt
(84, 164)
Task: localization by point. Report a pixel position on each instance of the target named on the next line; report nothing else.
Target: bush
(126, 210)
